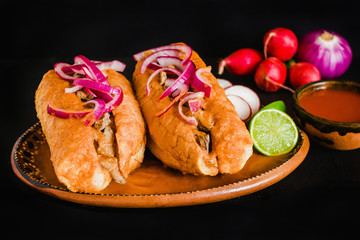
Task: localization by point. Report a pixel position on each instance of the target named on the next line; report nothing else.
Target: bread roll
(87, 158)
(220, 143)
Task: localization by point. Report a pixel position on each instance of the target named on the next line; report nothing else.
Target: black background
(319, 199)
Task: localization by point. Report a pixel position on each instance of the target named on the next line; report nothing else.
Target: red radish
(242, 62)
(241, 106)
(302, 73)
(271, 75)
(281, 43)
(247, 94)
(224, 83)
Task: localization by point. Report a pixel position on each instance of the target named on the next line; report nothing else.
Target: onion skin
(281, 43)
(242, 62)
(270, 75)
(302, 73)
(328, 51)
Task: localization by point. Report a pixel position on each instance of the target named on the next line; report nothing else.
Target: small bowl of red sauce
(329, 112)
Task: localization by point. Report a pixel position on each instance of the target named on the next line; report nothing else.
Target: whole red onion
(328, 51)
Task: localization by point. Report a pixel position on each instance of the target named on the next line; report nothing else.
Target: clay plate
(152, 185)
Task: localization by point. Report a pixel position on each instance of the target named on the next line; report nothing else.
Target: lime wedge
(278, 105)
(273, 132)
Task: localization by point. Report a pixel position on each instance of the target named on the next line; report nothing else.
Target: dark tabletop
(319, 199)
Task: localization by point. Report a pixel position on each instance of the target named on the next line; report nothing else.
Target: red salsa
(333, 104)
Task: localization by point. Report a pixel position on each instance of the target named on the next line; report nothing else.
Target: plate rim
(208, 195)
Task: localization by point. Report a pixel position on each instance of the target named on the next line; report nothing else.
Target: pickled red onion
(168, 61)
(88, 91)
(73, 89)
(168, 69)
(114, 64)
(180, 47)
(190, 120)
(115, 102)
(183, 78)
(151, 58)
(59, 69)
(90, 69)
(169, 55)
(94, 83)
(93, 116)
(199, 83)
(88, 83)
(62, 113)
(180, 88)
(164, 61)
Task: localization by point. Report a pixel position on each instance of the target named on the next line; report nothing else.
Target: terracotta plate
(152, 185)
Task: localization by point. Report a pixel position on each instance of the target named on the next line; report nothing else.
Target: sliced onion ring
(199, 83)
(114, 64)
(90, 92)
(91, 69)
(88, 83)
(183, 78)
(165, 61)
(181, 87)
(102, 95)
(61, 113)
(181, 47)
(73, 89)
(151, 58)
(59, 69)
(93, 116)
(169, 82)
(115, 102)
(168, 69)
(190, 120)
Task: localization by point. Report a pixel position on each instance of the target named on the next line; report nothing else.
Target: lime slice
(273, 132)
(278, 105)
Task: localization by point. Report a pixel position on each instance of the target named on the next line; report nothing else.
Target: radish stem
(278, 84)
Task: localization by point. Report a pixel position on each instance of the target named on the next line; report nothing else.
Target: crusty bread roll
(219, 144)
(87, 158)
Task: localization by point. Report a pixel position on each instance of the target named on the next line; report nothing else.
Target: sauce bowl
(332, 134)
